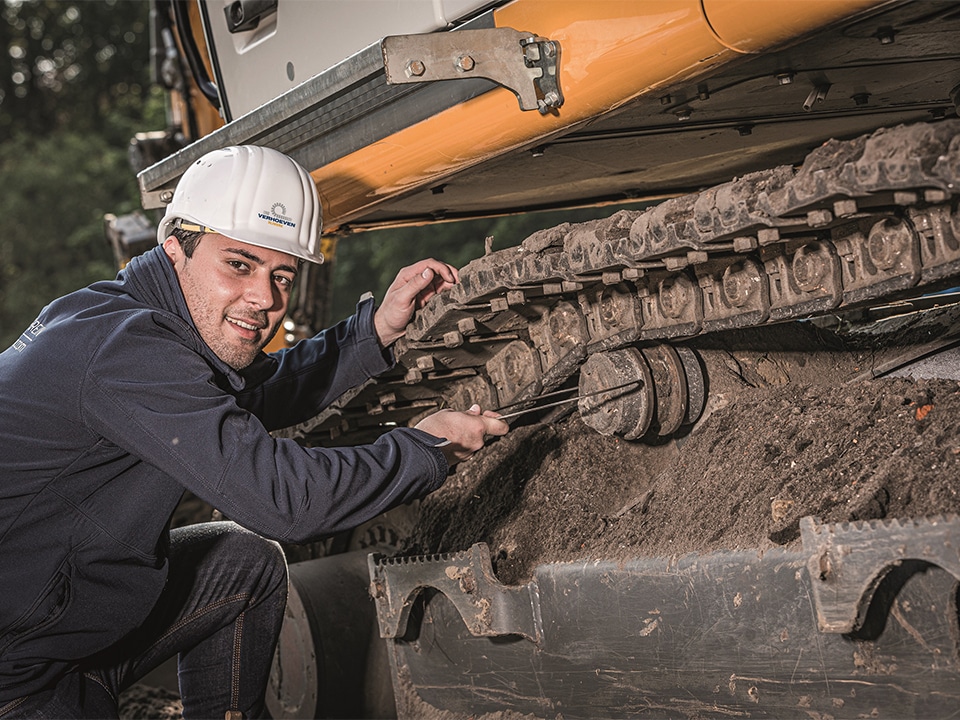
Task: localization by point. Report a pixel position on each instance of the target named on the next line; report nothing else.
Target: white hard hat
(252, 194)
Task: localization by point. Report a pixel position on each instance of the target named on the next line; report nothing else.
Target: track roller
(670, 391)
(624, 412)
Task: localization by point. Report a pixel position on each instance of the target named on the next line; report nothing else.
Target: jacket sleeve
(318, 370)
(171, 414)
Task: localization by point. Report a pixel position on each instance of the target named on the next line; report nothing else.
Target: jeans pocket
(42, 613)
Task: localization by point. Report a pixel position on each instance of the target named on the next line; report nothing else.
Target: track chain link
(861, 221)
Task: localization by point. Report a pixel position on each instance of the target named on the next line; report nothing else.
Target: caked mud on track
(860, 223)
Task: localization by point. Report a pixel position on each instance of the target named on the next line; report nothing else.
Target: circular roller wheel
(625, 411)
(670, 388)
(462, 394)
(696, 385)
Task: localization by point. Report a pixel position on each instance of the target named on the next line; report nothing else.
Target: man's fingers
(417, 288)
(442, 272)
(493, 425)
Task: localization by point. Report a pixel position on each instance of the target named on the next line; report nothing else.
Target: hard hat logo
(277, 217)
(234, 191)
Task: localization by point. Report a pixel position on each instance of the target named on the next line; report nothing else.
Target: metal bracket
(488, 608)
(519, 61)
(848, 561)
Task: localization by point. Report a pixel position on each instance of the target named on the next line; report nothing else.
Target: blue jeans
(221, 610)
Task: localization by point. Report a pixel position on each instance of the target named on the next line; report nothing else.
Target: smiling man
(237, 297)
(123, 395)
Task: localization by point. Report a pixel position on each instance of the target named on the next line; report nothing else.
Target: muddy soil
(793, 428)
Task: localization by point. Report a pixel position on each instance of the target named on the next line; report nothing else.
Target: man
(122, 395)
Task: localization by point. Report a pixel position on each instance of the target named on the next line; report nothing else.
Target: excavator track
(860, 222)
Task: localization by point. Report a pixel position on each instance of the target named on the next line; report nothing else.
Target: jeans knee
(261, 558)
(244, 558)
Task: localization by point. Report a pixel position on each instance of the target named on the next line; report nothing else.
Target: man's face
(237, 294)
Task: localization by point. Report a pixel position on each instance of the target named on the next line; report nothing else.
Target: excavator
(765, 165)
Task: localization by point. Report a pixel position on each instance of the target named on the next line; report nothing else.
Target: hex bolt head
(416, 68)
(465, 63)
(845, 208)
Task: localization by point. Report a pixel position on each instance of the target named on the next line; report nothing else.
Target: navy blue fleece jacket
(111, 406)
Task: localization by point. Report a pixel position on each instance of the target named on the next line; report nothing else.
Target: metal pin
(516, 413)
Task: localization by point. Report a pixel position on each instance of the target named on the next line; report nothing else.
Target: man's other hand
(412, 288)
(465, 431)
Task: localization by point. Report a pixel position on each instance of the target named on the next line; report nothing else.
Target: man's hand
(465, 431)
(412, 288)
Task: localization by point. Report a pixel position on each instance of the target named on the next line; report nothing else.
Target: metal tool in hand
(632, 384)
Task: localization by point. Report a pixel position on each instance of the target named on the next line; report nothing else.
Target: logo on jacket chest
(28, 336)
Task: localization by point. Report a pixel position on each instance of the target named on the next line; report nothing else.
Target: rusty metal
(670, 388)
(488, 609)
(612, 314)
(625, 414)
(849, 560)
(515, 369)
(556, 403)
(744, 633)
(860, 221)
(806, 278)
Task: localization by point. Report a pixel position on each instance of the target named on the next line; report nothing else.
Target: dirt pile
(767, 456)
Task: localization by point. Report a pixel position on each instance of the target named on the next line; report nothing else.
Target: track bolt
(416, 68)
(465, 63)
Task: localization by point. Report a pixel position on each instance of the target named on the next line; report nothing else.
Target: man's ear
(171, 246)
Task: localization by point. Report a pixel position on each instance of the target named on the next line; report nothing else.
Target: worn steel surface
(729, 634)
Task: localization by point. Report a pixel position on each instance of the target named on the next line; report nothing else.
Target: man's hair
(188, 239)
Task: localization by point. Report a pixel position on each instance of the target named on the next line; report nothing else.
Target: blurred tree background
(75, 87)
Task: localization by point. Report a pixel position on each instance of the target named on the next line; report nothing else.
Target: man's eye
(237, 264)
(283, 281)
